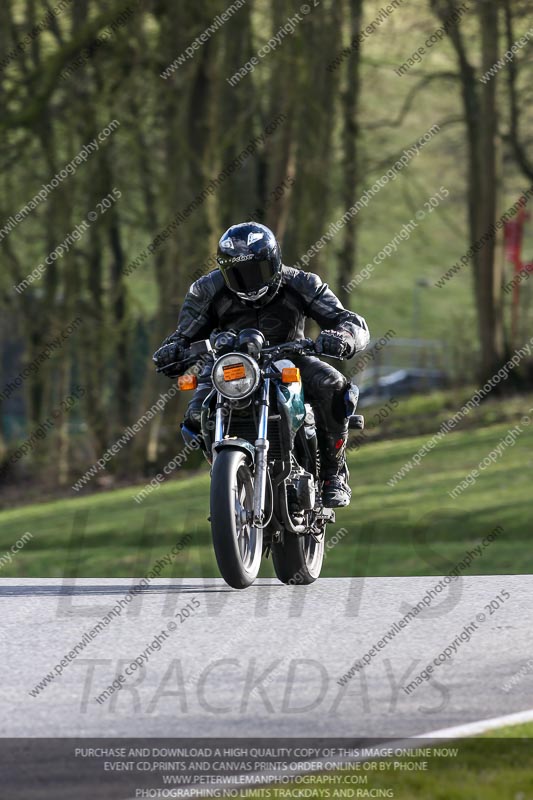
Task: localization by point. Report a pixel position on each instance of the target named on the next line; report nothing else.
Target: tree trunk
(481, 126)
(350, 187)
(488, 268)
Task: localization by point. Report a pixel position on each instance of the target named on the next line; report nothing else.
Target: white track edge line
(481, 726)
(455, 732)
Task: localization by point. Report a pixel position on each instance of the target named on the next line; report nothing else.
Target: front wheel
(298, 559)
(238, 546)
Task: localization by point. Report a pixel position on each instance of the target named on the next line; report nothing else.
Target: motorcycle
(260, 438)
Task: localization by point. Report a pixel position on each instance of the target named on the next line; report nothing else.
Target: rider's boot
(336, 492)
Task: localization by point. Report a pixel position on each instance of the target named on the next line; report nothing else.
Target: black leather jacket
(210, 305)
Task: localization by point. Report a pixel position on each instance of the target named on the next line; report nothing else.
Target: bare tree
(481, 119)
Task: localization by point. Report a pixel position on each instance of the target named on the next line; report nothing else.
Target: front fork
(261, 455)
(261, 450)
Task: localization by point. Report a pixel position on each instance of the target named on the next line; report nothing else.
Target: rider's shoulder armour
(208, 285)
(306, 284)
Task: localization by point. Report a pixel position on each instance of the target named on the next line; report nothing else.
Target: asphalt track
(264, 662)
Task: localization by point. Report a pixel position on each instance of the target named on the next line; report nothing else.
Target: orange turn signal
(187, 382)
(290, 375)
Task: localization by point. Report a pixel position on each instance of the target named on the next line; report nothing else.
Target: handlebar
(203, 348)
(297, 347)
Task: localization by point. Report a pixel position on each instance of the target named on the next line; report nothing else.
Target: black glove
(332, 343)
(167, 359)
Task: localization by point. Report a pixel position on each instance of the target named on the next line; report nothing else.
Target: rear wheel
(298, 559)
(237, 544)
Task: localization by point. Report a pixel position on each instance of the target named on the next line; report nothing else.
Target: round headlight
(235, 376)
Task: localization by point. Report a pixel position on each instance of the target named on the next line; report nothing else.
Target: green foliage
(414, 528)
(95, 62)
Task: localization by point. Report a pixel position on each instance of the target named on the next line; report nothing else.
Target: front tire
(238, 546)
(298, 559)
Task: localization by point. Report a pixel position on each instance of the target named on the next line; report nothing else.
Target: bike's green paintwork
(291, 401)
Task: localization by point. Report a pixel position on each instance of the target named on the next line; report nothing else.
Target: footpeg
(327, 514)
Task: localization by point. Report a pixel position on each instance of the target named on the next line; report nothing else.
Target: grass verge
(413, 528)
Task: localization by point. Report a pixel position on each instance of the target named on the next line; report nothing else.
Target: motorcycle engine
(305, 491)
(302, 490)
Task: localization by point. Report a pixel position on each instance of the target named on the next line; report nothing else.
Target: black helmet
(249, 258)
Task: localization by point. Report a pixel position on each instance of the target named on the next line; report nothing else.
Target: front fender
(237, 444)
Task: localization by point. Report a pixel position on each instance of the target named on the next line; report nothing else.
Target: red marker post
(513, 235)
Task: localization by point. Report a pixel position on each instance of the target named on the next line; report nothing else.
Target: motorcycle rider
(253, 289)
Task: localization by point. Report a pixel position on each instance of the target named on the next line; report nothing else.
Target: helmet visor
(247, 276)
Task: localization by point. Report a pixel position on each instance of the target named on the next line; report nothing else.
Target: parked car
(401, 383)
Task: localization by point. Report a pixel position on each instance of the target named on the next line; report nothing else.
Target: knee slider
(351, 398)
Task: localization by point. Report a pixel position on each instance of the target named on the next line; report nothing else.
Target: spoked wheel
(298, 559)
(237, 544)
